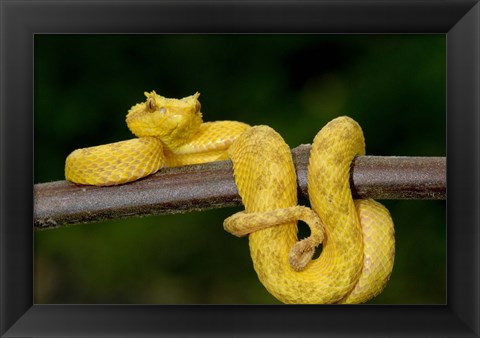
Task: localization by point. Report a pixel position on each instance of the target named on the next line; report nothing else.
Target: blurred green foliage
(393, 85)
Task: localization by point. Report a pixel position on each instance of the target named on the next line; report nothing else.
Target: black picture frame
(20, 20)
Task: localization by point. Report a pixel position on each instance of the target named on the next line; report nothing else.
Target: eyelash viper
(357, 237)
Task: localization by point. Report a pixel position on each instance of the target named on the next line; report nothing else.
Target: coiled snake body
(357, 236)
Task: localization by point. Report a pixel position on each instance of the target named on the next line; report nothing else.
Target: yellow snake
(357, 236)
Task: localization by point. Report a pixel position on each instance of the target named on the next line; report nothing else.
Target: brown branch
(211, 185)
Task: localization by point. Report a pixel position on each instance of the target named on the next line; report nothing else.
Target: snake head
(174, 121)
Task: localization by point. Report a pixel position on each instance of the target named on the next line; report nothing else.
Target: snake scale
(356, 236)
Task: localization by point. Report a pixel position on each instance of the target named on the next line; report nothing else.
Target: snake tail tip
(301, 254)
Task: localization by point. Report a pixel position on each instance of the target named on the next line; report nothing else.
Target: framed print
(72, 70)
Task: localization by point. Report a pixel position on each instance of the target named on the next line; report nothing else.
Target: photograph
(391, 86)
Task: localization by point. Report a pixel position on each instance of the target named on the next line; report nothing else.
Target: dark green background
(393, 85)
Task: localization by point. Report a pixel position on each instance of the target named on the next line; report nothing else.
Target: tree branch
(211, 185)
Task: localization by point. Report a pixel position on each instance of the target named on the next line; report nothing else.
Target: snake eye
(162, 110)
(151, 105)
